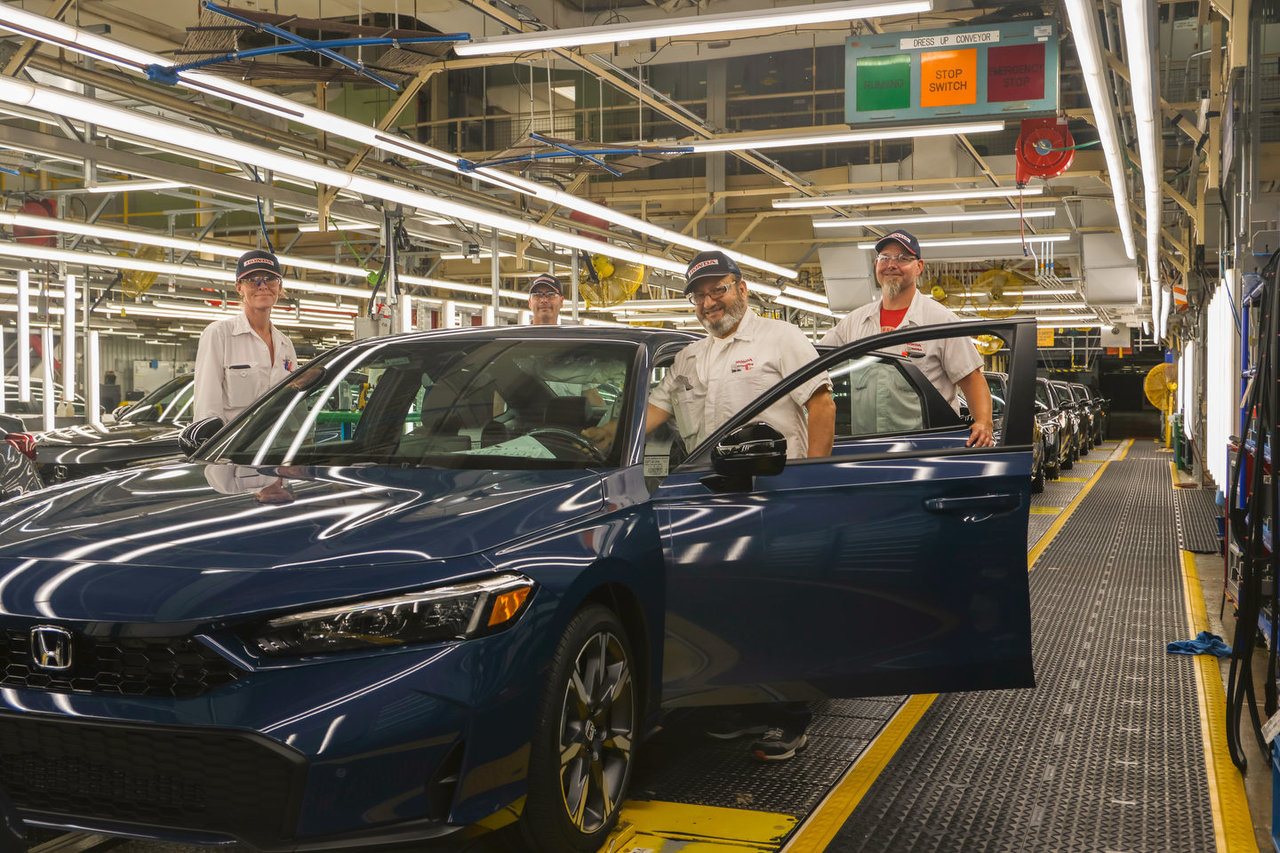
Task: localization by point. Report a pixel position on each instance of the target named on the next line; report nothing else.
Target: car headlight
(456, 612)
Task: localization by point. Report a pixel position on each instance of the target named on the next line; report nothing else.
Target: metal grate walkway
(1106, 753)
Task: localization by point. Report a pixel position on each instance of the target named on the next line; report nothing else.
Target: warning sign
(948, 78)
(1015, 73)
(1044, 337)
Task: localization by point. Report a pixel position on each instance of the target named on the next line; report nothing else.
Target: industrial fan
(997, 293)
(1160, 386)
(948, 290)
(134, 283)
(988, 344)
(609, 282)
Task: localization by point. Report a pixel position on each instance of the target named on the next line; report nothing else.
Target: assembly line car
(434, 607)
(145, 430)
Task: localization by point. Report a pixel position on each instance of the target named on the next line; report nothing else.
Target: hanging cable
(1254, 528)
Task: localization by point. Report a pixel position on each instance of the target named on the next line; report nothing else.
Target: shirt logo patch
(742, 364)
(914, 350)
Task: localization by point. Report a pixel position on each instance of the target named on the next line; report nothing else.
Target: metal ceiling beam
(57, 9)
(660, 105)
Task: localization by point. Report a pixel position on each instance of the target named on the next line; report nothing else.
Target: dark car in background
(147, 430)
(1062, 411)
(1081, 418)
(18, 474)
(457, 611)
(1097, 408)
(31, 411)
(998, 385)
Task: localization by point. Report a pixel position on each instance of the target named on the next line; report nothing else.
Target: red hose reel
(1045, 149)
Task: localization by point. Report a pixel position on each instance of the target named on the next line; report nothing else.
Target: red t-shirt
(890, 320)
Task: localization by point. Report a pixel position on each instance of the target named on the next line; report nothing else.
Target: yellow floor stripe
(1232, 823)
(830, 815)
(1046, 510)
(651, 826)
(1124, 449)
(1061, 520)
(1074, 479)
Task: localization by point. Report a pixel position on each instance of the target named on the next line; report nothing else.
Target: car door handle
(994, 502)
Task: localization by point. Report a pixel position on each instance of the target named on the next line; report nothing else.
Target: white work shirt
(234, 367)
(943, 361)
(713, 379)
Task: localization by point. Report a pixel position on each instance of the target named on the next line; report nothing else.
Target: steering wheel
(568, 439)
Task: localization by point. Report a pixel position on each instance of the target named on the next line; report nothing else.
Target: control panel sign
(948, 78)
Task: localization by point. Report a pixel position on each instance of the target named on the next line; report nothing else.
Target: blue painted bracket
(592, 154)
(326, 48)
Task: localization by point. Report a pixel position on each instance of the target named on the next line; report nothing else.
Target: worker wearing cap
(744, 355)
(949, 363)
(239, 358)
(546, 298)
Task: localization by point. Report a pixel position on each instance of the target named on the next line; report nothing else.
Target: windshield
(168, 404)
(452, 403)
(1043, 395)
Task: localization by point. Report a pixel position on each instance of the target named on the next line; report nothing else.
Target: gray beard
(733, 315)
(893, 288)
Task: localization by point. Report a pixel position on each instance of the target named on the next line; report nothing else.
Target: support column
(713, 225)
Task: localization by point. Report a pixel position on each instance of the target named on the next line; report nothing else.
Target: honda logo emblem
(51, 647)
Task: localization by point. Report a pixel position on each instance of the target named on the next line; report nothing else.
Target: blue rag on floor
(1204, 644)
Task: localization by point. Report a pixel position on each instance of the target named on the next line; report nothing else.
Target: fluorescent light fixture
(649, 305)
(984, 241)
(787, 16)
(802, 305)
(1073, 325)
(46, 374)
(314, 227)
(836, 137)
(913, 199)
(132, 186)
(925, 218)
(1065, 319)
(68, 339)
(96, 112)
(1084, 32)
(92, 358)
(41, 28)
(795, 292)
(1054, 306)
(1048, 291)
(23, 341)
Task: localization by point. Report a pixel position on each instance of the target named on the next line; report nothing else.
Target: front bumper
(329, 754)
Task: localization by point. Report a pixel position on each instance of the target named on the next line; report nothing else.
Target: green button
(884, 83)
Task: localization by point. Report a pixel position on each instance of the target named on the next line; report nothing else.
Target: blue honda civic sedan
(403, 595)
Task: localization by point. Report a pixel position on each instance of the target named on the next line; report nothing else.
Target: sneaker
(735, 724)
(778, 744)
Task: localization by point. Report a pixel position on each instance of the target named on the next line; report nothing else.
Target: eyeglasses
(260, 280)
(716, 293)
(543, 294)
(895, 259)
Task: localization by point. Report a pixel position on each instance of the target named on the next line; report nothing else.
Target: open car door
(896, 565)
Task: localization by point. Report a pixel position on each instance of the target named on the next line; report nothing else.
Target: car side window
(874, 396)
(663, 447)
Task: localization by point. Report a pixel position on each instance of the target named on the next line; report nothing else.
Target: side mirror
(196, 435)
(752, 450)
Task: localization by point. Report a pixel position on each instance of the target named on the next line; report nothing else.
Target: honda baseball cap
(709, 264)
(258, 260)
(907, 239)
(548, 280)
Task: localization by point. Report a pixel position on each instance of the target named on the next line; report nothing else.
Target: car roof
(649, 337)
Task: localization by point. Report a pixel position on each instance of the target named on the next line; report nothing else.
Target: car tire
(1037, 480)
(1068, 460)
(584, 744)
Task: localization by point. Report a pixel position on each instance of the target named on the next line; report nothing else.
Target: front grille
(180, 667)
(229, 783)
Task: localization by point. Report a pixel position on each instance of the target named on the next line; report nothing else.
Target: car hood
(265, 537)
(107, 435)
